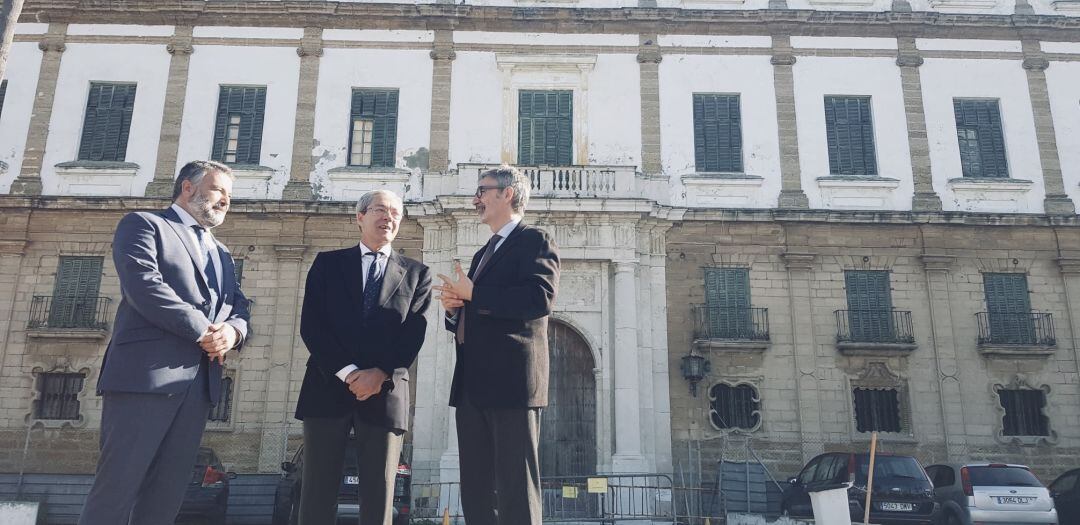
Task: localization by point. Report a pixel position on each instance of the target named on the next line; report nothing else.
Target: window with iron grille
(373, 134)
(1024, 412)
(238, 126)
(849, 129)
(717, 133)
(869, 301)
(58, 395)
(75, 292)
(1008, 308)
(734, 406)
(877, 409)
(727, 303)
(3, 93)
(220, 411)
(981, 141)
(545, 128)
(108, 122)
(238, 270)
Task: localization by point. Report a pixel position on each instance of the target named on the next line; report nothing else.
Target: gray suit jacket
(165, 308)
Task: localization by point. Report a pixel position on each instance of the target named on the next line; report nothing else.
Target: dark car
(207, 497)
(902, 493)
(1066, 493)
(287, 496)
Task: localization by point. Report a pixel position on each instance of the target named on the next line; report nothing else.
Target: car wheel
(951, 519)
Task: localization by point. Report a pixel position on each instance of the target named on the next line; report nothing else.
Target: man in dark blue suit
(181, 313)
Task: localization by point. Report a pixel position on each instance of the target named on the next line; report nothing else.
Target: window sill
(986, 194)
(892, 437)
(371, 169)
(252, 181)
(1029, 441)
(68, 334)
(991, 351)
(1066, 6)
(724, 190)
(96, 178)
(731, 345)
(348, 183)
(963, 4)
(851, 348)
(56, 424)
(990, 184)
(856, 192)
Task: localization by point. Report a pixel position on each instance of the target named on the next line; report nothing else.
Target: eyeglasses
(382, 211)
(481, 189)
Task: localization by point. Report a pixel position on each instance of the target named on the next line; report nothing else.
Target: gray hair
(509, 177)
(195, 170)
(366, 199)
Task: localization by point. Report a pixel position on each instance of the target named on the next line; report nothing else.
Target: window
(869, 305)
(75, 293)
(3, 92)
(373, 135)
(1024, 412)
(545, 128)
(734, 406)
(727, 303)
(58, 395)
(978, 132)
(877, 409)
(849, 129)
(220, 412)
(1008, 308)
(107, 123)
(238, 127)
(238, 270)
(717, 133)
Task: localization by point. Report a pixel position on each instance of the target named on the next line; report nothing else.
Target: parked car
(287, 495)
(902, 493)
(207, 497)
(1066, 493)
(977, 493)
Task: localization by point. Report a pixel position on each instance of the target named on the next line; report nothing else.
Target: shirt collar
(508, 227)
(185, 217)
(385, 250)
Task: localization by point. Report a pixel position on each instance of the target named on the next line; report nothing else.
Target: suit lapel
(354, 279)
(178, 226)
(506, 244)
(392, 277)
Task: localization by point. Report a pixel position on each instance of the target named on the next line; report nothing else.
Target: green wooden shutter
(727, 299)
(980, 138)
(869, 305)
(75, 293)
(249, 103)
(849, 129)
(1008, 307)
(381, 107)
(107, 123)
(545, 128)
(3, 92)
(717, 133)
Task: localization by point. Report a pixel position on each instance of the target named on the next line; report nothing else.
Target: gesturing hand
(454, 293)
(365, 383)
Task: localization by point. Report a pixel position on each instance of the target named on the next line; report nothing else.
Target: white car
(978, 493)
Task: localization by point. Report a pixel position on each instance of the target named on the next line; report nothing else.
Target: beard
(206, 214)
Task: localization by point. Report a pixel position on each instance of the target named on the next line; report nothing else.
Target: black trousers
(378, 450)
(500, 467)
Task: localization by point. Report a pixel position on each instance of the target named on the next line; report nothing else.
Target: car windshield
(889, 467)
(991, 476)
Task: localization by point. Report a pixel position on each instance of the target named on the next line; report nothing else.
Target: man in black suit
(499, 316)
(363, 323)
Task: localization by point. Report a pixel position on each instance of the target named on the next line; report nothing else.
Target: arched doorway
(568, 424)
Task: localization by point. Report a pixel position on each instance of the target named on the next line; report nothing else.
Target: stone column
(909, 60)
(442, 57)
(803, 341)
(783, 58)
(943, 344)
(284, 340)
(28, 180)
(180, 50)
(628, 452)
(649, 58)
(1035, 64)
(311, 50)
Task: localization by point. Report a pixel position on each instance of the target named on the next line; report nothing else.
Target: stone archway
(568, 425)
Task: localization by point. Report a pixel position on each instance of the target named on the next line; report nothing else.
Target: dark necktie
(488, 250)
(208, 260)
(372, 284)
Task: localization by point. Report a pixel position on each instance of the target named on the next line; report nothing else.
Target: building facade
(860, 214)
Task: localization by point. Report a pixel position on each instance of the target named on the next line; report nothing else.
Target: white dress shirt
(379, 270)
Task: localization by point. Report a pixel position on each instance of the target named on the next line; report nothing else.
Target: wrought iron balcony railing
(874, 326)
(1016, 328)
(85, 313)
(731, 323)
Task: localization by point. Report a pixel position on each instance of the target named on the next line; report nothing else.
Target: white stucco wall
(277, 68)
(1063, 83)
(944, 79)
(340, 71)
(145, 65)
(878, 78)
(118, 30)
(614, 115)
(22, 73)
(751, 77)
(982, 7)
(476, 112)
(841, 5)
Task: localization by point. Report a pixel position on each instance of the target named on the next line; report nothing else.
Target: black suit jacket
(504, 361)
(332, 328)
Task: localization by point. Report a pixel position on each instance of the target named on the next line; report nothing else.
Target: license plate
(352, 480)
(1014, 500)
(897, 507)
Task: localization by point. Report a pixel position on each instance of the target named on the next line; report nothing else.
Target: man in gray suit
(181, 314)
